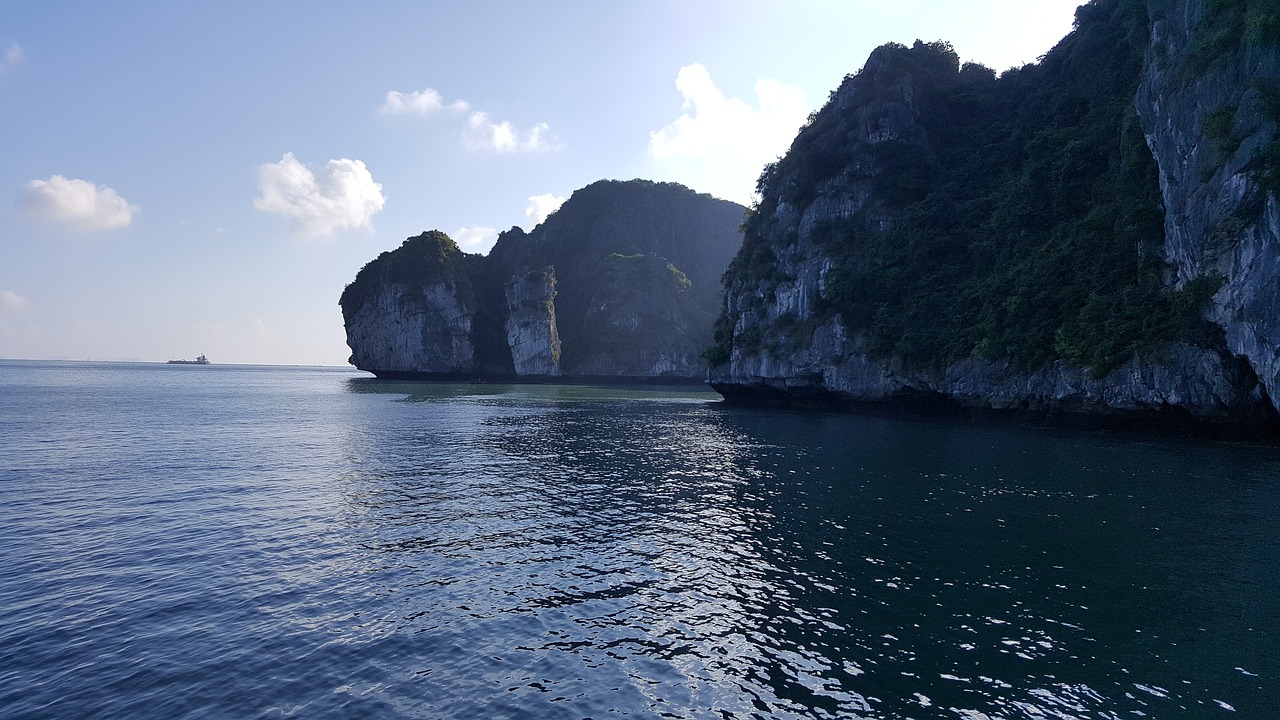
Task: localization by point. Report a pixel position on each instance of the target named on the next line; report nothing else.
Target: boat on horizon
(201, 360)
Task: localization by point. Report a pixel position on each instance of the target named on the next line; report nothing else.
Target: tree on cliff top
(426, 258)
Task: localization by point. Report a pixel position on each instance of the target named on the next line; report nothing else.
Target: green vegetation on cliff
(430, 257)
(1225, 25)
(1015, 218)
(1225, 28)
(638, 304)
(638, 267)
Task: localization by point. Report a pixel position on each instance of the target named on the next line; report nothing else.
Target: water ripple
(326, 547)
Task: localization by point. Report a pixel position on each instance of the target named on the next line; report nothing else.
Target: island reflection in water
(689, 555)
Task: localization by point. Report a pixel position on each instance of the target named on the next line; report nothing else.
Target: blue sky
(180, 178)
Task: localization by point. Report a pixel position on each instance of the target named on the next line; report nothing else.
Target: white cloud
(485, 134)
(258, 329)
(481, 132)
(540, 206)
(10, 300)
(340, 195)
(75, 204)
(419, 102)
(476, 239)
(11, 56)
(720, 145)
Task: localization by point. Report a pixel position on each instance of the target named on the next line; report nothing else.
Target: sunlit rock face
(779, 339)
(622, 282)
(411, 310)
(531, 323)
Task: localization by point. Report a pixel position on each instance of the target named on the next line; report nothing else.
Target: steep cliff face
(1210, 112)
(531, 323)
(941, 234)
(621, 282)
(638, 322)
(410, 310)
(638, 268)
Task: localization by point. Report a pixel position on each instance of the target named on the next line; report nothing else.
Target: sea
(269, 542)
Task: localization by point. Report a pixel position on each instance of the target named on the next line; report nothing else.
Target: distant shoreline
(135, 361)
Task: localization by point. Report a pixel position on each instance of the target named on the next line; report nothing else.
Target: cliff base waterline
(1165, 422)
(514, 379)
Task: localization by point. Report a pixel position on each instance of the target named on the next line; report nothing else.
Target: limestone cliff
(638, 323)
(531, 323)
(1038, 241)
(622, 282)
(411, 309)
(1211, 114)
(637, 267)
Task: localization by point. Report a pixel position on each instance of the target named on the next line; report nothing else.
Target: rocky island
(1096, 235)
(622, 283)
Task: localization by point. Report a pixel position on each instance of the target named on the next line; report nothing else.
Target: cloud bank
(11, 56)
(419, 102)
(317, 203)
(720, 145)
(75, 204)
(540, 206)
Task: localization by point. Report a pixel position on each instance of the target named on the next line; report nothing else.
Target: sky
(180, 178)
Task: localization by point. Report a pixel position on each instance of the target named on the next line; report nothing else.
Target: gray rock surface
(409, 327)
(1218, 221)
(411, 310)
(531, 323)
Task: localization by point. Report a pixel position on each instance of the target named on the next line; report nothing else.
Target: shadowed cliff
(1094, 233)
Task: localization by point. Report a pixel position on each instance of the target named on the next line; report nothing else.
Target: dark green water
(282, 542)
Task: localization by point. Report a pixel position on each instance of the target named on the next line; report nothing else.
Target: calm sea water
(245, 542)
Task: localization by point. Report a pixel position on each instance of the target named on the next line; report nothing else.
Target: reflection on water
(331, 546)
(696, 557)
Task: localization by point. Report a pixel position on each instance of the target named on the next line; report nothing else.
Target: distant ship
(202, 360)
